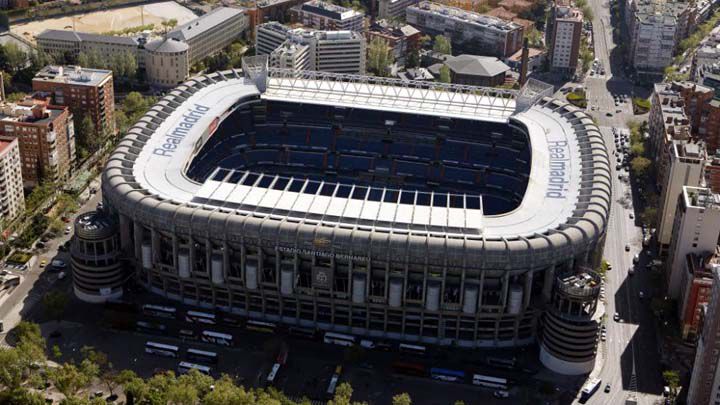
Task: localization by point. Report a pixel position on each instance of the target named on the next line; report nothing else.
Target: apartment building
(62, 43)
(562, 35)
(327, 51)
(469, 32)
(270, 10)
(88, 92)
(712, 172)
(12, 200)
(696, 286)
(395, 9)
(704, 388)
(321, 15)
(401, 38)
(655, 27)
(667, 122)
(46, 136)
(696, 229)
(684, 164)
(211, 32)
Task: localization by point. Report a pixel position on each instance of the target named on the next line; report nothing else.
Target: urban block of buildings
(166, 60)
(696, 285)
(401, 38)
(88, 92)
(12, 199)
(322, 15)
(303, 49)
(469, 32)
(388, 9)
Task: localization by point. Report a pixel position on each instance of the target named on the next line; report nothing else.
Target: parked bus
(160, 349)
(334, 381)
(159, 311)
(412, 349)
(338, 339)
(414, 369)
(490, 382)
(444, 374)
(272, 375)
(185, 367)
(200, 317)
(202, 356)
(259, 326)
(222, 339)
(589, 389)
(151, 327)
(302, 332)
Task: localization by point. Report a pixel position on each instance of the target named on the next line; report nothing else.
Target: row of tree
(26, 377)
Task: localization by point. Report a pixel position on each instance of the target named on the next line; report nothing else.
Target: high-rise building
(88, 92)
(12, 200)
(468, 31)
(394, 8)
(696, 229)
(704, 386)
(667, 122)
(326, 51)
(563, 33)
(695, 291)
(685, 161)
(327, 16)
(46, 136)
(656, 27)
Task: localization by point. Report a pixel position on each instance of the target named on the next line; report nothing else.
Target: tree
(68, 379)
(343, 394)
(444, 74)
(54, 304)
(442, 45)
(672, 379)
(16, 58)
(87, 137)
(640, 166)
(637, 149)
(402, 399)
(16, 97)
(413, 59)
(379, 56)
(56, 352)
(649, 216)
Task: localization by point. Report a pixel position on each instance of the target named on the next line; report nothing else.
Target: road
(631, 363)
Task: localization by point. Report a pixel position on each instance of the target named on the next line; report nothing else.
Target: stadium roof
(558, 174)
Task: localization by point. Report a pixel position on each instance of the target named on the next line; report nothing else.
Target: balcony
(53, 158)
(51, 137)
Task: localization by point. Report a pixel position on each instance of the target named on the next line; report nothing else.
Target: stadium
(409, 211)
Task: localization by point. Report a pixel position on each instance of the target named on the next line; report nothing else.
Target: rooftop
(76, 75)
(700, 197)
(487, 66)
(74, 36)
(464, 16)
(37, 114)
(568, 14)
(5, 143)
(204, 23)
(167, 45)
(329, 10)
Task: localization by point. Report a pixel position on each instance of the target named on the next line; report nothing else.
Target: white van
(501, 394)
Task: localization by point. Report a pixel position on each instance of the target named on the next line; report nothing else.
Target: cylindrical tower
(98, 273)
(570, 326)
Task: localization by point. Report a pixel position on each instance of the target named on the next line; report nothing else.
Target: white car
(641, 295)
(68, 229)
(61, 275)
(58, 264)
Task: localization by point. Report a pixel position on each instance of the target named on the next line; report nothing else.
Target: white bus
(222, 339)
(161, 349)
(413, 349)
(338, 339)
(259, 326)
(185, 367)
(490, 382)
(202, 356)
(159, 311)
(272, 375)
(200, 317)
(590, 388)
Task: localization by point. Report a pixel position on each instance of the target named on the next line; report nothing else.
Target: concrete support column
(548, 283)
(125, 240)
(138, 234)
(528, 288)
(155, 243)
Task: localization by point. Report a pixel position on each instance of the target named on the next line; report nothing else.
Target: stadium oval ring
(407, 271)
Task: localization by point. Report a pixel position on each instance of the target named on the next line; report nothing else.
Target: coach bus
(184, 367)
(444, 374)
(159, 311)
(413, 369)
(200, 317)
(589, 389)
(333, 382)
(490, 382)
(272, 375)
(202, 356)
(222, 339)
(259, 326)
(412, 349)
(151, 327)
(160, 349)
(338, 339)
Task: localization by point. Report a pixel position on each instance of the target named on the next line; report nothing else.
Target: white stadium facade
(407, 211)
